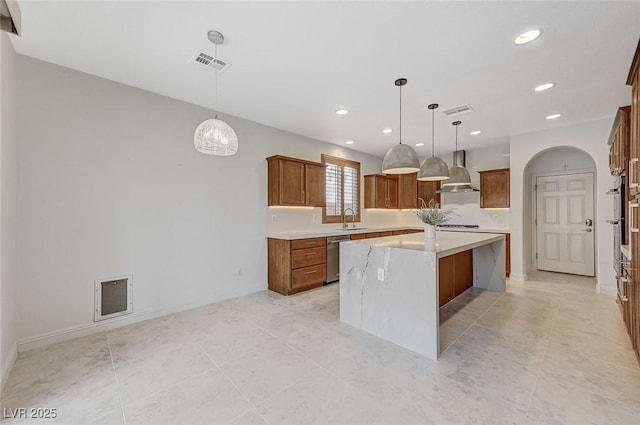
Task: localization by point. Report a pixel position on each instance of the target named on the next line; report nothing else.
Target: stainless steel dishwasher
(333, 257)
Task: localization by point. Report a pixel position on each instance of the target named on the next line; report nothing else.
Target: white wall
(591, 137)
(110, 184)
(467, 205)
(8, 205)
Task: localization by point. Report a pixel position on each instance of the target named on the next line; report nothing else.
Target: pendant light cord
(216, 80)
(400, 114)
(433, 132)
(455, 156)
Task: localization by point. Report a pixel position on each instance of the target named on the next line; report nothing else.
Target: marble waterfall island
(389, 286)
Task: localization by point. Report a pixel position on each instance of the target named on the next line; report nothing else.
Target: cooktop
(460, 226)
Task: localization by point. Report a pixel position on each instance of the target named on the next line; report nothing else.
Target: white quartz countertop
(446, 243)
(476, 230)
(336, 232)
(292, 235)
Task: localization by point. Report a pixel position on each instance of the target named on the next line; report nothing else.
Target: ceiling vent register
(209, 63)
(458, 110)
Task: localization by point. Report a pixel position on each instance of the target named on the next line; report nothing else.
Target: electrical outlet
(273, 218)
(381, 275)
(313, 218)
(239, 271)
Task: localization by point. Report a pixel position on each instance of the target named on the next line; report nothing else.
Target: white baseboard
(7, 364)
(517, 277)
(611, 291)
(53, 337)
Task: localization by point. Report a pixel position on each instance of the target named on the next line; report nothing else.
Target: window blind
(342, 189)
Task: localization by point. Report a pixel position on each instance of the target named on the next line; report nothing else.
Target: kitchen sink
(355, 228)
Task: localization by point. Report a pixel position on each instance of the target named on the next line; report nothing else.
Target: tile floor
(550, 351)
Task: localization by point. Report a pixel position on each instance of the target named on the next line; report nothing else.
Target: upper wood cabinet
(407, 189)
(429, 192)
(633, 80)
(619, 141)
(494, 188)
(380, 191)
(295, 182)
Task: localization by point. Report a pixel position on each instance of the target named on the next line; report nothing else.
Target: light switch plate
(381, 274)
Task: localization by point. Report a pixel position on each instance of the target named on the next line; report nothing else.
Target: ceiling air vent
(209, 63)
(458, 110)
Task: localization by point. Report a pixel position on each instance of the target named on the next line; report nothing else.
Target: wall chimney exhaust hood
(459, 158)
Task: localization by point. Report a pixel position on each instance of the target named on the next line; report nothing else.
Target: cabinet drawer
(398, 232)
(358, 236)
(308, 257)
(308, 243)
(386, 234)
(308, 275)
(373, 235)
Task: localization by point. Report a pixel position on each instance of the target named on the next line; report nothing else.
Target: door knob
(587, 230)
(588, 222)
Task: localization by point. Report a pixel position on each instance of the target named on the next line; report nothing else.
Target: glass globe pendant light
(214, 136)
(433, 168)
(459, 176)
(400, 159)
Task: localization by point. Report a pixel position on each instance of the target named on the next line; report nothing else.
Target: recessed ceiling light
(528, 36)
(419, 144)
(475, 132)
(349, 142)
(545, 86)
(553, 116)
(342, 112)
(387, 131)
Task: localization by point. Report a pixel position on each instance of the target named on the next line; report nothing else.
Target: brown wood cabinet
(295, 182)
(619, 142)
(631, 311)
(455, 275)
(407, 189)
(297, 265)
(428, 191)
(494, 188)
(380, 191)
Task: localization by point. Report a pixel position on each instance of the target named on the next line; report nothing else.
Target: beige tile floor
(549, 351)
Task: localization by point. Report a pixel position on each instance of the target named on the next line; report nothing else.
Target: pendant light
(433, 168)
(214, 136)
(459, 176)
(400, 159)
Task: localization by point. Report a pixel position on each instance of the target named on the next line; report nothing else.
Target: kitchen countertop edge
(340, 232)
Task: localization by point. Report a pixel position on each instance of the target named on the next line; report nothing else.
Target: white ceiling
(294, 64)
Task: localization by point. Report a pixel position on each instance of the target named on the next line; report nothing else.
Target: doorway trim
(533, 246)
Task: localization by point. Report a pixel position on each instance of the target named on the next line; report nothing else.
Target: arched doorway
(559, 206)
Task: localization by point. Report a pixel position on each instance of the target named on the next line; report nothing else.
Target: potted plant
(431, 215)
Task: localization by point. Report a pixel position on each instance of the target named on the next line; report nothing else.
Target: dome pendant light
(400, 159)
(459, 176)
(433, 168)
(214, 136)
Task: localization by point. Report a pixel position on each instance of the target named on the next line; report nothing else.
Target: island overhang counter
(389, 286)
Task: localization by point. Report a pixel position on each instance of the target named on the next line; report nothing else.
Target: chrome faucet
(344, 218)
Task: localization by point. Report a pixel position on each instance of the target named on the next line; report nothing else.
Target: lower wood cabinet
(297, 265)
(455, 275)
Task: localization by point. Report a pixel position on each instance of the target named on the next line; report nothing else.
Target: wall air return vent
(458, 110)
(209, 63)
(113, 297)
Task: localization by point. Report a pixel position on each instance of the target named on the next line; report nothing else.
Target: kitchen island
(389, 286)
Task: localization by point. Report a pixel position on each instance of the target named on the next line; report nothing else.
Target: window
(342, 189)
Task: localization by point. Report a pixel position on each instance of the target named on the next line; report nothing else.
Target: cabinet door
(445, 280)
(634, 146)
(407, 189)
(292, 182)
(392, 193)
(314, 179)
(428, 191)
(462, 272)
(380, 191)
(494, 188)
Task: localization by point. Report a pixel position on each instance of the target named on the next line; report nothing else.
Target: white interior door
(564, 223)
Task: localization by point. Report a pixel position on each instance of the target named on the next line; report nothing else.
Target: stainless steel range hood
(459, 158)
